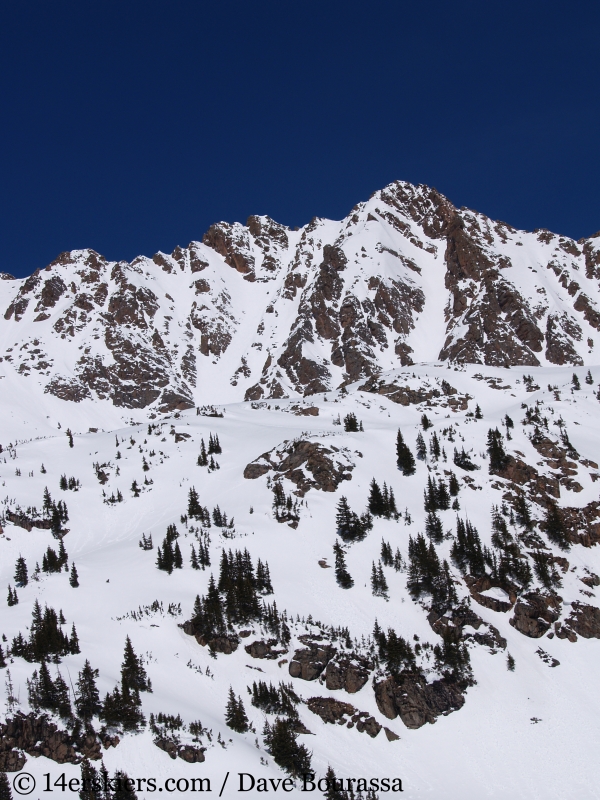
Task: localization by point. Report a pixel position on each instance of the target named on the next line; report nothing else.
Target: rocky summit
(322, 501)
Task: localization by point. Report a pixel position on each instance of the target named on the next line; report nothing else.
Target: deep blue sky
(130, 126)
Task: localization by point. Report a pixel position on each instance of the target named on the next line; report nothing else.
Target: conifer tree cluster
(496, 452)
(553, 526)
(97, 784)
(508, 567)
(280, 699)
(379, 584)
(168, 557)
(46, 639)
(236, 598)
(395, 651)
(87, 699)
(13, 598)
(146, 542)
(545, 570)
(462, 459)
(434, 447)
(51, 695)
(382, 503)
(72, 484)
(342, 576)
(437, 496)
(390, 559)
(427, 576)
(57, 512)
(123, 705)
(235, 714)
(214, 448)
(350, 526)
(286, 509)
(197, 511)
(404, 458)
(351, 423)
(53, 561)
(467, 552)
(453, 661)
(5, 790)
(220, 518)
(281, 742)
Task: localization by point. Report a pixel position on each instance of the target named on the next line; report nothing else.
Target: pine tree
(433, 528)
(74, 577)
(575, 382)
(235, 714)
(425, 422)
(5, 790)
(202, 458)
(376, 503)
(342, 576)
(73, 645)
(91, 786)
(478, 414)
(555, 529)
(194, 507)
(69, 436)
(453, 485)
(404, 458)
(12, 599)
(350, 423)
(21, 576)
(495, 448)
(280, 742)
(177, 557)
(421, 448)
(133, 674)
(588, 378)
(194, 559)
(63, 483)
(87, 699)
(2, 661)
(434, 447)
(510, 663)
(124, 786)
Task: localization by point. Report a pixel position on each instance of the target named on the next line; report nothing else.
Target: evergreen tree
(194, 559)
(21, 577)
(434, 447)
(453, 485)
(5, 790)
(495, 448)
(425, 422)
(404, 458)
(379, 586)
(575, 382)
(12, 599)
(91, 786)
(214, 445)
(87, 699)
(2, 661)
(135, 489)
(342, 576)
(202, 458)
(124, 786)
(281, 743)
(74, 577)
(588, 378)
(69, 436)
(63, 483)
(177, 557)
(235, 714)
(478, 414)
(377, 506)
(433, 528)
(350, 527)
(555, 529)
(351, 423)
(421, 448)
(133, 674)
(510, 663)
(523, 512)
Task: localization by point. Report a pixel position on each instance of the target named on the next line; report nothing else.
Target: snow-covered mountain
(441, 626)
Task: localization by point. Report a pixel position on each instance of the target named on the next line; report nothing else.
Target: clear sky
(130, 126)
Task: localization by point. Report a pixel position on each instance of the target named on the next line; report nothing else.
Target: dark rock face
(451, 625)
(218, 644)
(534, 613)
(327, 467)
(584, 620)
(348, 672)
(189, 753)
(310, 662)
(23, 521)
(262, 649)
(414, 700)
(37, 736)
(336, 712)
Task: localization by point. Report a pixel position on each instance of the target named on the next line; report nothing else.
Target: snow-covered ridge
(261, 311)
